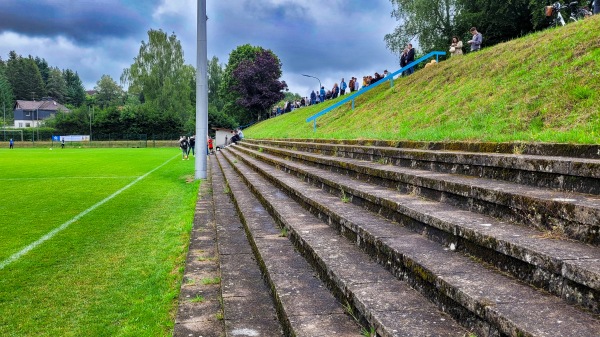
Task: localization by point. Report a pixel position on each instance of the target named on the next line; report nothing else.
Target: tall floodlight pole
(201, 93)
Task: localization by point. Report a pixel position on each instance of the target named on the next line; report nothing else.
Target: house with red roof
(33, 113)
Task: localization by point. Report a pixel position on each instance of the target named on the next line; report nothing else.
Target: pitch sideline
(60, 228)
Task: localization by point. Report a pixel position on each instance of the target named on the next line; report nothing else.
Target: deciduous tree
(431, 22)
(258, 84)
(160, 76)
(109, 92)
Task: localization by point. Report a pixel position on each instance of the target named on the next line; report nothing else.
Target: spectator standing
(192, 145)
(477, 39)
(403, 62)
(62, 143)
(456, 47)
(351, 84)
(210, 146)
(183, 145)
(322, 94)
(597, 7)
(356, 84)
(11, 143)
(313, 98)
(343, 87)
(335, 91)
(410, 57)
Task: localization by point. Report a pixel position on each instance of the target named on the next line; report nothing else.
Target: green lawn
(116, 270)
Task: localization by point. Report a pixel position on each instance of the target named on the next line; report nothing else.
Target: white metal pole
(201, 93)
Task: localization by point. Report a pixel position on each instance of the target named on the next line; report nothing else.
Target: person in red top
(210, 145)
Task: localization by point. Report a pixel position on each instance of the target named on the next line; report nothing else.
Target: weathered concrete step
(304, 305)
(567, 269)
(497, 304)
(248, 308)
(562, 173)
(379, 299)
(538, 149)
(197, 317)
(574, 215)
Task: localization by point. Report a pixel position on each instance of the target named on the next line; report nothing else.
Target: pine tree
(24, 77)
(44, 68)
(56, 86)
(75, 91)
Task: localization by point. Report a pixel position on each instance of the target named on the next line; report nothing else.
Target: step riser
(558, 217)
(548, 279)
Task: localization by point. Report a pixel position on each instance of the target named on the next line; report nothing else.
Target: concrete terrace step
(304, 306)
(199, 318)
(572, 214)
(564, 173)
(491, 303)
(537, 149)
(568, 269)
(248, 308)
(378, 299)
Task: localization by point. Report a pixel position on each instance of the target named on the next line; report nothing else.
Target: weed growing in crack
(345, 198)
(518, 149)
(368, 333)
(208, 280)
(197, 299)
(283, 232)
(205, 258)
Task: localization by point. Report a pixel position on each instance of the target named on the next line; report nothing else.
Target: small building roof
(48, 105)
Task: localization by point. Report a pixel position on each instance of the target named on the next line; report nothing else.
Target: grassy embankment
(544, 87)
(116, 270)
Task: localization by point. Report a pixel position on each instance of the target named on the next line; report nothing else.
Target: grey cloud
(84, 22)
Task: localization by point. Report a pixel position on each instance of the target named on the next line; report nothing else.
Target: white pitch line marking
(62, 227)
(53, 178)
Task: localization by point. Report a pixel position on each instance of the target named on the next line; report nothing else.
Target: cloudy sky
(328, 39)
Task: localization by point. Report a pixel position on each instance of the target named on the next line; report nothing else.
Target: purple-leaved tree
(258, 84)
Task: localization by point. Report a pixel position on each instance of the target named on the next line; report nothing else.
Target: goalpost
(7, 134)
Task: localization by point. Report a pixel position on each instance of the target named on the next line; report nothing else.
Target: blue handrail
(363, 90)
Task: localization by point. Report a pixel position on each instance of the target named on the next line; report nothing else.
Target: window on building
(20, 125)
(27, 125)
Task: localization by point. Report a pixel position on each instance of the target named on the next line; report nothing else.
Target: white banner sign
(76, 138)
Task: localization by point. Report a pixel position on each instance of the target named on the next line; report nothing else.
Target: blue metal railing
(363, 90)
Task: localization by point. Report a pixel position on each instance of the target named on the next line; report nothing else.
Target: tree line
(433, 23)
(29, 78)
(161, 90)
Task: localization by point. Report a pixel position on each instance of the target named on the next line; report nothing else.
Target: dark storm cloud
(81, 21)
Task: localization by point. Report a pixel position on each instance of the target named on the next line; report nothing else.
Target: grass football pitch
(93, 241)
